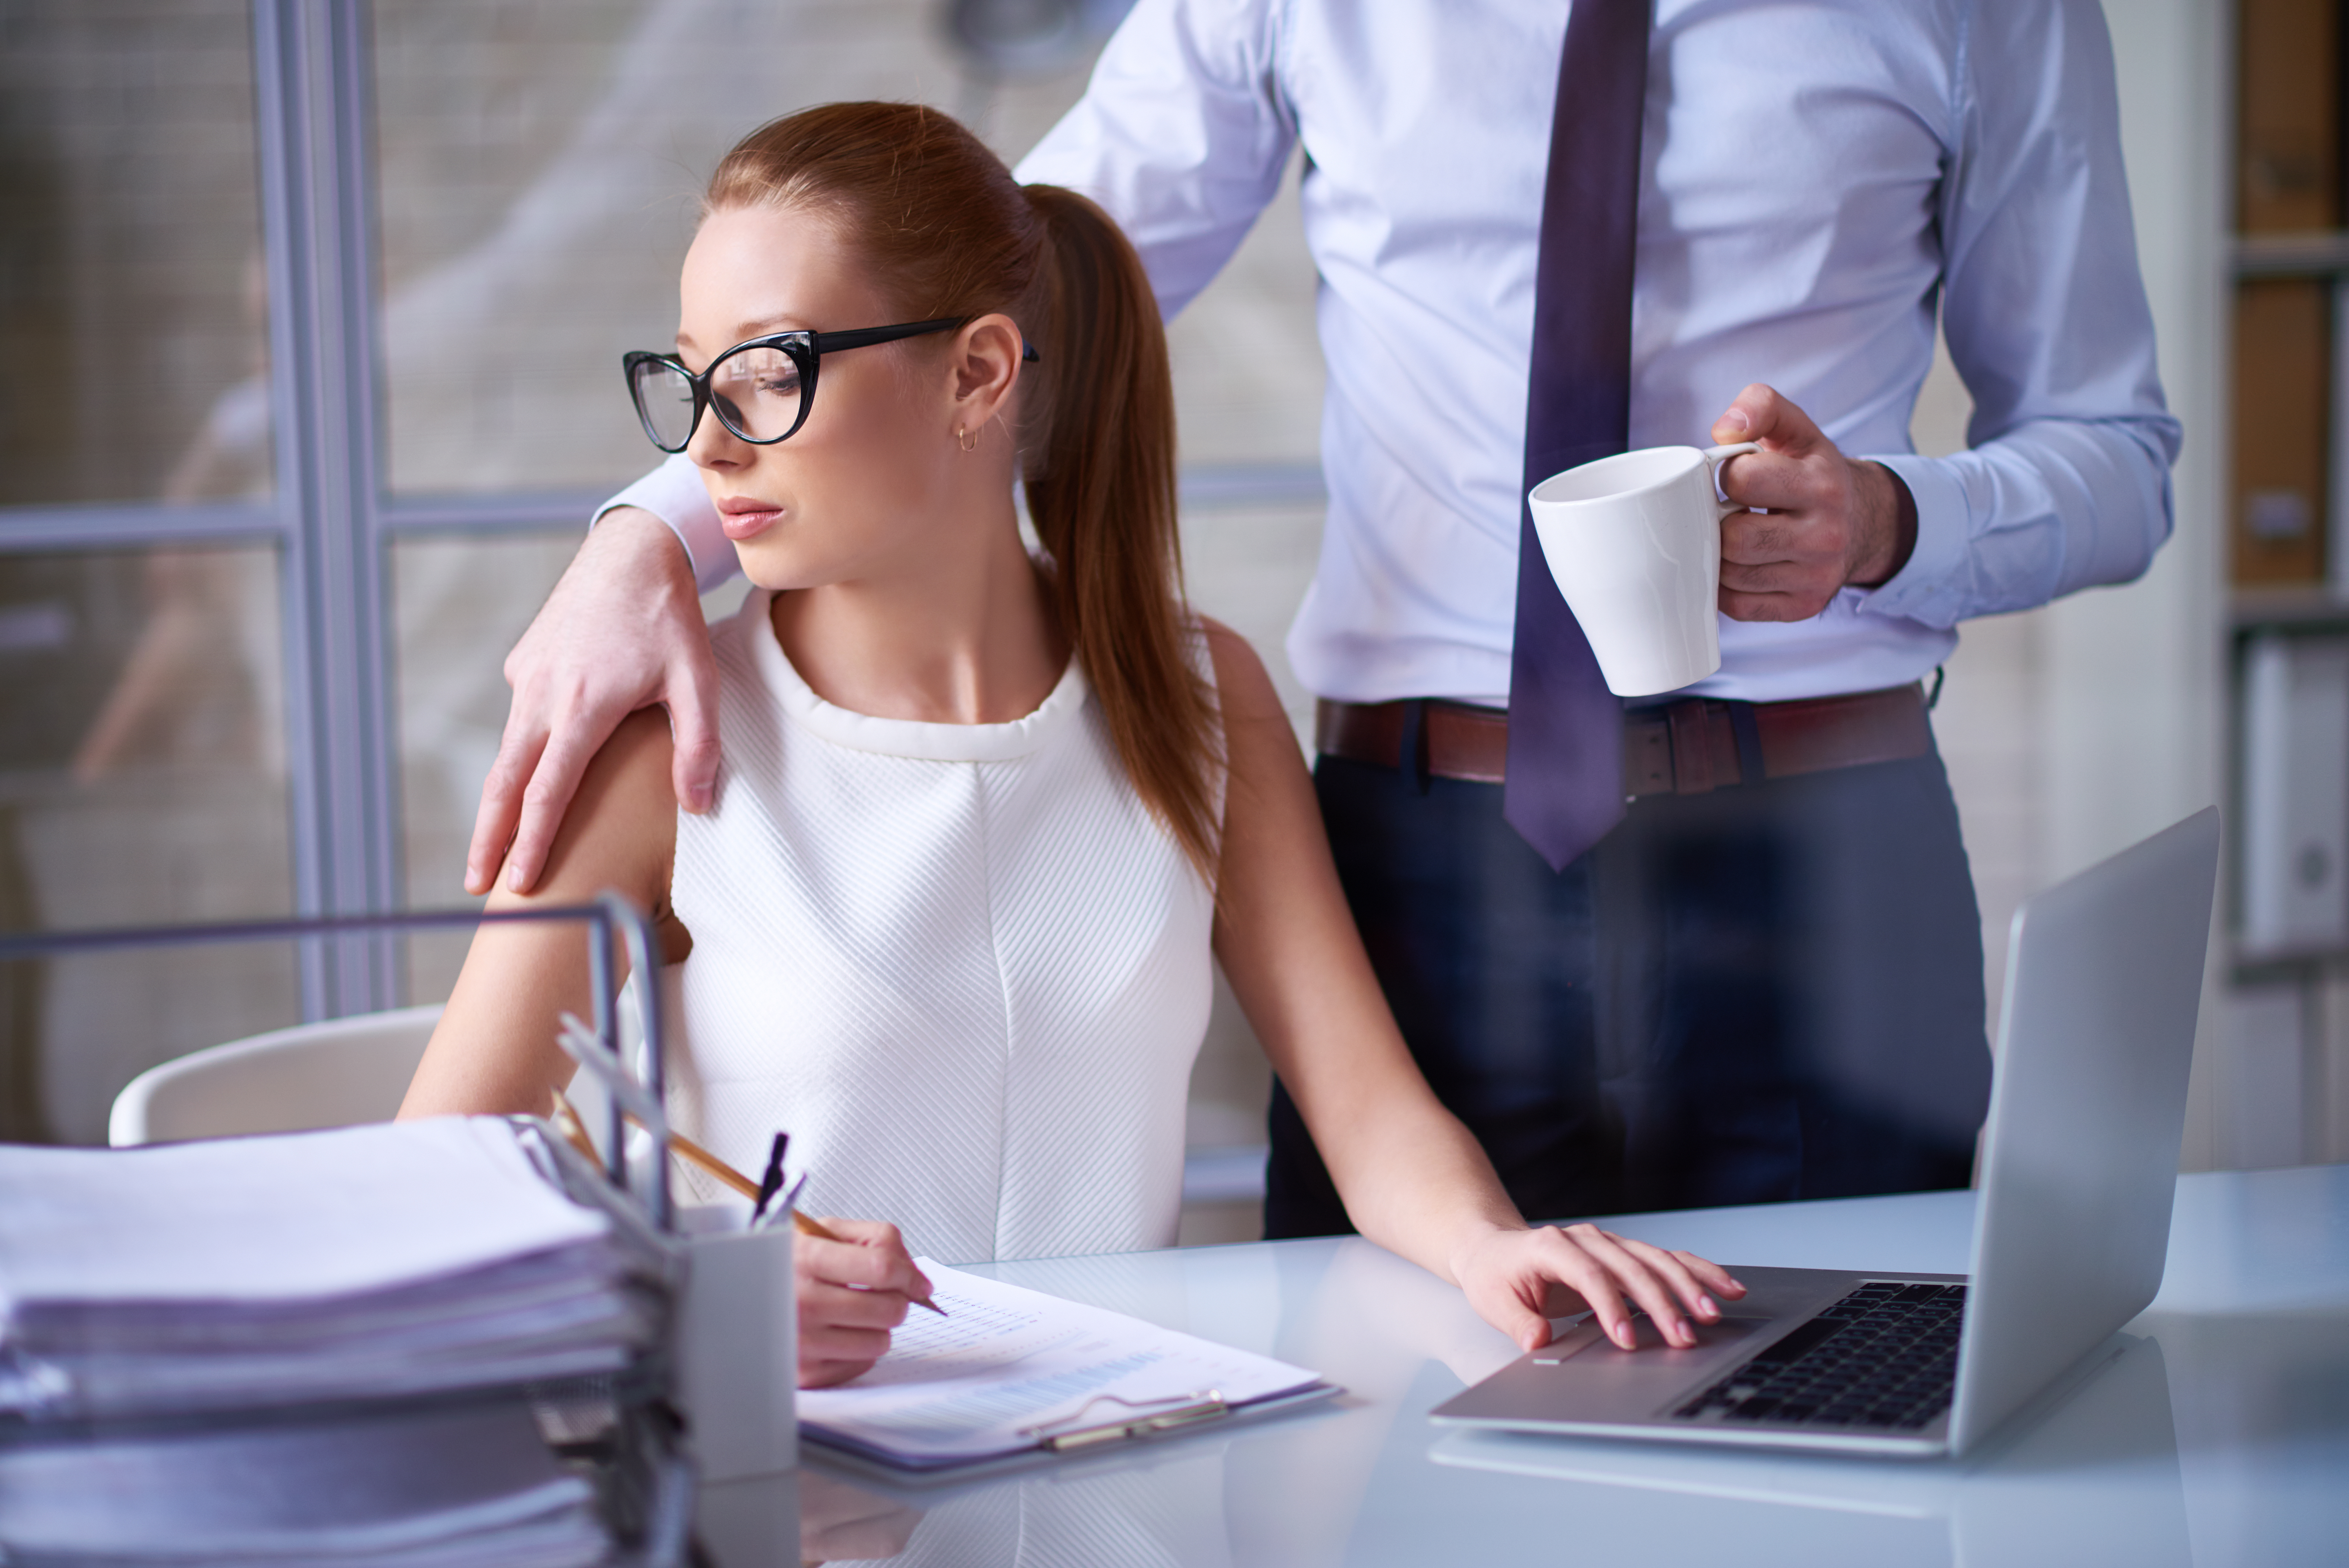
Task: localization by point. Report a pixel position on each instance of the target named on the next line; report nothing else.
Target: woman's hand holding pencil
(847, 1272)
(855, 1284)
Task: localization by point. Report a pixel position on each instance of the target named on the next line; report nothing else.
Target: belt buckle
(1691, 726)
(1647, 757)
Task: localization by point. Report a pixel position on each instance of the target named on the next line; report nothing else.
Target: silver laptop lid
(2080, 1158)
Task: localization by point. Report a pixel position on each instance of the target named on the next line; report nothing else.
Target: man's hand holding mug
(1647, 544)
(1827, 522)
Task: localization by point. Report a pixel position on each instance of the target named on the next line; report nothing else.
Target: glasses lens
(759, 391)
(664, 400)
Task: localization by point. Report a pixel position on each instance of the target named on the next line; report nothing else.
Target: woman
(981, 816)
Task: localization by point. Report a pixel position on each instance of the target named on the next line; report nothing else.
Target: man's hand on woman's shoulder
(622, 630)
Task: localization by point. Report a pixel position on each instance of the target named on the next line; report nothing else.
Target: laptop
(2072, 1223)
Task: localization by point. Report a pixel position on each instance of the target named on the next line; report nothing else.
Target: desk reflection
(2263, 1413)
(2092, 1476)
(2094, 1479)
(1165, 1512)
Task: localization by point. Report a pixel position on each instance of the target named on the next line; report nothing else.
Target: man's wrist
(1889, 527)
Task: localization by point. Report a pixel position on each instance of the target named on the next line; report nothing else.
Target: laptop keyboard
(1883, 1358)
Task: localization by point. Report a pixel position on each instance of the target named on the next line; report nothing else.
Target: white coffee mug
(1634, 544)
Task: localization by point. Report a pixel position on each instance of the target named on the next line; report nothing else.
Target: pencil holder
(737, 1344)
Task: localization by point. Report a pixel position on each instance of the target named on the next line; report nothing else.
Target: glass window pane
(539, 169)
(539, 166)
(130, 268)
(458, 605)
(142, 779)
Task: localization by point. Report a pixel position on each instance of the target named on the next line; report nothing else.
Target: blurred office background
(313, 312)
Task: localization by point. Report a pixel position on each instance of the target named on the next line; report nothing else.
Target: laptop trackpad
(1591, 1342)
(1584, 1377)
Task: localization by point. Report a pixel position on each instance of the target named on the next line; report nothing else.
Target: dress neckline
(900, 737)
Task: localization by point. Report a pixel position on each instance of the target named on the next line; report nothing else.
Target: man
(1758, 977)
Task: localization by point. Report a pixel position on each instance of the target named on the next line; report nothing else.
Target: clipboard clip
(1205, 1405)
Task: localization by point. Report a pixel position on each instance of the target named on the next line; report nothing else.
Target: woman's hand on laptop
(1518, 1279)
(851, 1293)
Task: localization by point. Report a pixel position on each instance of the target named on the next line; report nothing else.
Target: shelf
(2321, 252)
(2248, 966)
(2316, 607)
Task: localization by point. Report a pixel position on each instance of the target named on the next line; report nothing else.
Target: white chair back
(330, 1074)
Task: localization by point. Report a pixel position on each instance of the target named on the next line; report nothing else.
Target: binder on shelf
(2290, 201)
(2295, 820)
(2282, 398)
(2289, 173)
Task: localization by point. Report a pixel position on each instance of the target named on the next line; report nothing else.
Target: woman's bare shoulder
(1243, 686)
(620, 830)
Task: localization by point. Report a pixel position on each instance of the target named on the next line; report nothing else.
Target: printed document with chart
(1010, 1370)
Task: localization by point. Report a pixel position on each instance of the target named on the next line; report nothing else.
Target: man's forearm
(2046, 321)
(641, 546)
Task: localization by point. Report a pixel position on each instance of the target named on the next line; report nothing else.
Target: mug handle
(1714, 456)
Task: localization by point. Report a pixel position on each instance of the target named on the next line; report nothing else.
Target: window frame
(329, 516)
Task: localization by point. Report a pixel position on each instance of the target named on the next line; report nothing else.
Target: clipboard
(1015, 1377)
(930, 1478)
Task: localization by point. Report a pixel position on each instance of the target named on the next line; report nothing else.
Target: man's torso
(1791, 163)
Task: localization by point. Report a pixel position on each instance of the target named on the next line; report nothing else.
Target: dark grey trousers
(1768, 993)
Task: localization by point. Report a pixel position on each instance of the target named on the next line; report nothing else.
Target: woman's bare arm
(494, 1051)
(1413, 1178)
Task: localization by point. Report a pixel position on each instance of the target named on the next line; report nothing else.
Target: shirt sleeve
(674, 493)
(1182, 135)
(2065, 484)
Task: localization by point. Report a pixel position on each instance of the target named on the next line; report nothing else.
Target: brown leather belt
(1687, 747)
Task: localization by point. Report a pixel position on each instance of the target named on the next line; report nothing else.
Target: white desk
(2220, 1437)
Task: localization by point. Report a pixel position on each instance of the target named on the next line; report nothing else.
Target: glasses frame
(805, 347)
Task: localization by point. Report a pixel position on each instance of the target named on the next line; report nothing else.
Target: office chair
(330, 1074)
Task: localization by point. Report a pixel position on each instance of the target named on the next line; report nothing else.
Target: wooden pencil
(693, 1153)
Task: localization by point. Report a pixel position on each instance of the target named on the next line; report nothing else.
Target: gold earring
(969, 439)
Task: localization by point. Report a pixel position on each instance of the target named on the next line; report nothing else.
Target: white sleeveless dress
(962, 965)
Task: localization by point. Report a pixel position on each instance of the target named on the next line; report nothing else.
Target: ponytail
(949, 232)
(1099, 455)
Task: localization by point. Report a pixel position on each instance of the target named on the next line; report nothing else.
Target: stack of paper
(432, 1487)
(359, 1263)
(1008, 1371)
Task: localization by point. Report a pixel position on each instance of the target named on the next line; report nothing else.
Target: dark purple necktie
(1565, 787)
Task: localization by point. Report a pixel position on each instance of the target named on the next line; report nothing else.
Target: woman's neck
(961, 637)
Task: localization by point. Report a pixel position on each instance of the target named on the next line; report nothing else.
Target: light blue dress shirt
(1816, 179)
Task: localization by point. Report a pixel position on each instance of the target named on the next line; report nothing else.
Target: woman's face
(860, 486)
